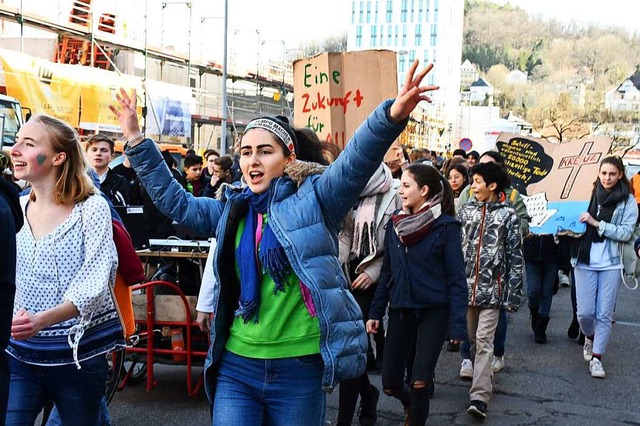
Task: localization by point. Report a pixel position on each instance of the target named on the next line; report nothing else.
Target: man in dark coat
(100, 150)
(10, 223)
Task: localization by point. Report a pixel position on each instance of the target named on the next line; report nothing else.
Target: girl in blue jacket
(610, 218)
(423, 282)
(285, 326)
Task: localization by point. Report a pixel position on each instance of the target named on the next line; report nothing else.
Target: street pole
(223, 138)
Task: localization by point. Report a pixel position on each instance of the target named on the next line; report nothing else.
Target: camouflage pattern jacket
(492, 248)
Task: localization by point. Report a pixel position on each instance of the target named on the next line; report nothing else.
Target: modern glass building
(428, 30)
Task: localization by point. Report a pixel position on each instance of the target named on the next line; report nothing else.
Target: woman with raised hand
(285, 326)
(64, 319)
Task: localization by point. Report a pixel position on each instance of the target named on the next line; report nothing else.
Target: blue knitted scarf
(270, 256)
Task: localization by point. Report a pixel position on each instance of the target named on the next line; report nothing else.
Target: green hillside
(557, 56)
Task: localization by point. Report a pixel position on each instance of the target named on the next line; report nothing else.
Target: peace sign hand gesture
(411, 93)
(126, 113)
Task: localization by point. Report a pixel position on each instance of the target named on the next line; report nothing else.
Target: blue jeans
(283, 391)
(105, 419)
(499, 340)
(76, 393)
(596, 294)
(540, 279)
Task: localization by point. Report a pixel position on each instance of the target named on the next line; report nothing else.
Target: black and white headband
(279, 126)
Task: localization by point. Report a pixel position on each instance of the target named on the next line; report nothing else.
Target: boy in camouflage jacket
(492, 248)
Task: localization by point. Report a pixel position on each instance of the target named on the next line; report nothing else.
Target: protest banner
(335, 92)
(76, 94)
(41, 86)
(558, 178)
(170, 108)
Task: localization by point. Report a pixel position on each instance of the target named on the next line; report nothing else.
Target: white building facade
(428, 30)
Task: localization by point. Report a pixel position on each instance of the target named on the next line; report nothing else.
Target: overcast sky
(331, 17)
(297, 21)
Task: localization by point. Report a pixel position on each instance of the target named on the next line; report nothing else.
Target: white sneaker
(564, 279)
(466, 369)
(587, 349)
(497, 364)
(595, 367)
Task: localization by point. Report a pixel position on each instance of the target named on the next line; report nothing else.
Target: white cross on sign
(575, 163)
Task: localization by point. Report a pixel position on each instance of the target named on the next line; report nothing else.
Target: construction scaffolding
(88, 36)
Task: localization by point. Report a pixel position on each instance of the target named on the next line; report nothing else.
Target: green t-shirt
(284, 328)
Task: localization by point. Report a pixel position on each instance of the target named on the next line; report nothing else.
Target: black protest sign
(526, 160)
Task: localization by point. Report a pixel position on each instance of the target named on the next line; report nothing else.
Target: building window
(418, 41)
(381, 35)
(353, 12)
(375, 17)
(426, 15)
(368, 12)
(374, 36)
(412, 56)
(360, 15)
(435, 10)
(434, 34)
(426, 56)
(395, 41)
(359, 35)
(404, 35)
(402, 63)
(420, 9)
(389, 11)
(413, 10)
(389, 35)
(403, 11)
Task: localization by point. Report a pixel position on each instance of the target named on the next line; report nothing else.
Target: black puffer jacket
(10, 223)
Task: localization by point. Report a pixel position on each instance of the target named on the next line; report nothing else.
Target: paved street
(540, 385)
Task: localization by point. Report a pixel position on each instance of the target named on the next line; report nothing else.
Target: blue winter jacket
(305, 221)
(427, 274)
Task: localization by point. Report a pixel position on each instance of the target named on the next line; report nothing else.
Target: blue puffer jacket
(427, 274)
(305, 221)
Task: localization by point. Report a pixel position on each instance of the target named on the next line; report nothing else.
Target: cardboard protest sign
(558, 177)
(335, 92)
(526, 159)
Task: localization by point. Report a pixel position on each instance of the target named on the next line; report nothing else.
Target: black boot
(574, 328)
(534, 317)
(541, 329)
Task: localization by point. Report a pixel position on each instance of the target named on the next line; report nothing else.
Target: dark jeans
(499, 340)
(350, 389)
(76, 393)
(427, 330)
(4, 384)
(540, 279)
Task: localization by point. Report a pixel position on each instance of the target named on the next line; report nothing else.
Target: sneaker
(497, 364)
(587, 349)
(595, 367)
(466, 369)
(478, 409)
(564, 279)
(368, 412)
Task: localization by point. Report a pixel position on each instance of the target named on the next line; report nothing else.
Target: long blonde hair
(73, 184)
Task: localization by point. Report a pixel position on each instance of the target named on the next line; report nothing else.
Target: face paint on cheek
(41, 158)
